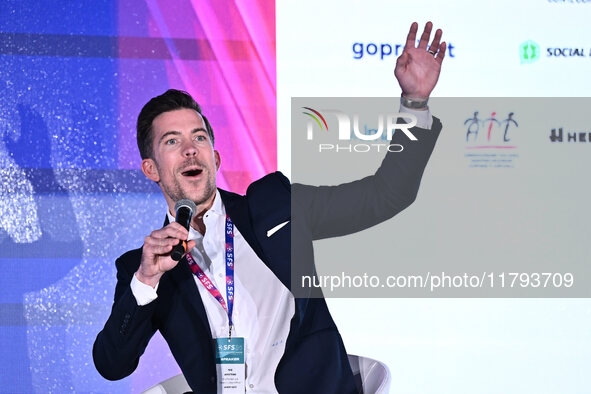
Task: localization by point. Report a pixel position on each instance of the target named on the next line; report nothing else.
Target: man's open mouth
(192, 172)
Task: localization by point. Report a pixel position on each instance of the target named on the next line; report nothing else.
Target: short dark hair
(171, 100)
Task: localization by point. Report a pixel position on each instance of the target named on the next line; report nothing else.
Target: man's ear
(150, 170)
(218, 159)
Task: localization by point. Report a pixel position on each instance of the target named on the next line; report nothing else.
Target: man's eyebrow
(175, 132)
(168, 133)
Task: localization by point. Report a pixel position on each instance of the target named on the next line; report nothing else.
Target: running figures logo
(489, 124)
(490, 140)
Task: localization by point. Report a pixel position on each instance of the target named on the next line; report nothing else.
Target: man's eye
(171, 141)
(201, 138)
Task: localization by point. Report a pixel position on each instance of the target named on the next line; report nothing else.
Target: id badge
(229, 359)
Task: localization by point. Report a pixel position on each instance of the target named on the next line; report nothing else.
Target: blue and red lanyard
(209, 286)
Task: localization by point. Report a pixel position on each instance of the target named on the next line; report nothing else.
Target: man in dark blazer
(314, 359)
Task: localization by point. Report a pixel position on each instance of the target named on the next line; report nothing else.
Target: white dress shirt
(424, 118)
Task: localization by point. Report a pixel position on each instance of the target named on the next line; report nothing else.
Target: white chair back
(375, 375)
(175, 385)
(375, 378)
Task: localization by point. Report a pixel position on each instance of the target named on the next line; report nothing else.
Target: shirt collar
(217, 207)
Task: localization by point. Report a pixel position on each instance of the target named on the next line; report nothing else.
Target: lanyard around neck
(208, 284)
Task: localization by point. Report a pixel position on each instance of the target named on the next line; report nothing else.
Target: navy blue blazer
(315, 359)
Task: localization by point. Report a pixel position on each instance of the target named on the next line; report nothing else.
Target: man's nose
(189, 148)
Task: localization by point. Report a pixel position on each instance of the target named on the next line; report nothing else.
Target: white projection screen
(530, 58)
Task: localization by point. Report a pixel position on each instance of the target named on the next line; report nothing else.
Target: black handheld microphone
(185, 209)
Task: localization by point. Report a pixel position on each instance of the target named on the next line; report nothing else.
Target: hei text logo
(557, 135)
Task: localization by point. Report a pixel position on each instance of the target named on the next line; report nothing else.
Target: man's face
(185, 163)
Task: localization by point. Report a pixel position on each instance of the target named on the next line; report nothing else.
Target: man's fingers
(434, 47)
(177, 228)
(441, 53)
(412, 35)
(425, 36)
(157, 246)
(191, 245)
(402, 60)
(173, 230)
(150, 241)
(160, 250)
(163, 233)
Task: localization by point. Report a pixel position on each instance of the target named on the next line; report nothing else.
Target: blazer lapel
(237, 208)
(274, 255)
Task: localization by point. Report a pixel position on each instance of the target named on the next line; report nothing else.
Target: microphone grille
(185, 202)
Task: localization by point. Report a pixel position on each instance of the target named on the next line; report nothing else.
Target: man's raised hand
(418, 68)
(156, 258)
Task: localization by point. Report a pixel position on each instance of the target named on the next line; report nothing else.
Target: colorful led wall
(73, 77)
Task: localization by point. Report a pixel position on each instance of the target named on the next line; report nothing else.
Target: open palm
(418, 68)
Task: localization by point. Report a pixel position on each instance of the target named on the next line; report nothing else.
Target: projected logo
(351, 135)
(489, 140)
(577, 2)
(315, 115)
(529, 52)
(383, 50)
(559, 135)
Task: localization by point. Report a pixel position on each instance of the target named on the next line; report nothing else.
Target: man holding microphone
(225, 309)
